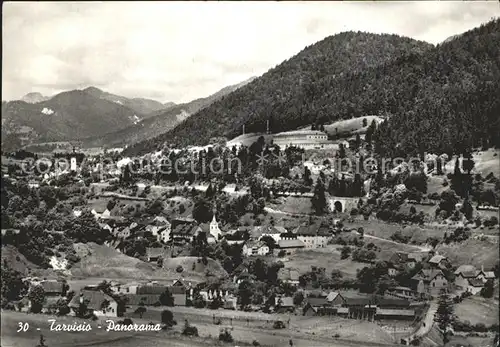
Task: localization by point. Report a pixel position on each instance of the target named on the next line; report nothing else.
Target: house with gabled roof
(486, 275)
(52, 287)
(153, 254)
(290, 246)
(430, 281)
(183, 232)
(289, 276)
(475, 285)
(94, 302)
(313, 236)
(335, 299)
(273, 232)
(439, 262)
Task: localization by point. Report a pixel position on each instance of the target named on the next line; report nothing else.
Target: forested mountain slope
(349, 75)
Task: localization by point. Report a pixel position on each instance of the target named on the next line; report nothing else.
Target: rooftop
(95, 298)
(290, 244)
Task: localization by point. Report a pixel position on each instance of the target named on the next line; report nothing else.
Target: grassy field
(328, 257)
(98, 261)
(477, 309)
(435, 185)
(304, 331)
(350, 126)
(293, 204)
(417, 234)
(472, 251)
(300, 326)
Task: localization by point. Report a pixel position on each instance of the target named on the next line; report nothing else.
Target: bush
(345, 252)
(279, 325)
(189, 330)
(225, 336)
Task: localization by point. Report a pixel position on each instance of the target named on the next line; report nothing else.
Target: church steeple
(214, 212)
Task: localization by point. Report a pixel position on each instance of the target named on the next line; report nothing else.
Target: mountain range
(439, 98)
(93, 117)
(159, 122)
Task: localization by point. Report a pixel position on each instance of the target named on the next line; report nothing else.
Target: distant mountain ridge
(33, 98)
(159, 122)
(71, 115)
(142, 106)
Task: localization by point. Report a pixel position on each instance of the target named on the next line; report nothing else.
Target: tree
(37, 297)
(13, 286)
(336, 275)
(488, 289)
(439, 166)
(62, 307)
(166, 298)
(370, 131)
(189, 330)
(245, 294)
(167, 318)
(345, 252)
(198, 301)
(270, 242)
(201, 211)
(298, 298)
(467, 209)
(141, 309)
(444, 313)
(307, 176)
(318, 200)
(225, 336)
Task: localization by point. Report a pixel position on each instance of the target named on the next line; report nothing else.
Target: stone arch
(337, 205)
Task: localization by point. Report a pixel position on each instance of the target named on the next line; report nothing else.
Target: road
(427, 322)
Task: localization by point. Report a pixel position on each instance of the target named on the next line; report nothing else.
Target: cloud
(179, 51)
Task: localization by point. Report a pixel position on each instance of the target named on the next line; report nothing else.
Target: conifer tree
(318, 201)
(444, 313)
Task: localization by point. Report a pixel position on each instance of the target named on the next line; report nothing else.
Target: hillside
(66, 116)
(283, 92)
(33, 98)
(452, 86)
(143, 107)
(158, 122)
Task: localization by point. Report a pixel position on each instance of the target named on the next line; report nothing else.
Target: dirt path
(420, 248)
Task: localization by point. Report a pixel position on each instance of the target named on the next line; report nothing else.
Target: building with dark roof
(94, 302)
(290, 246)
(314, 235)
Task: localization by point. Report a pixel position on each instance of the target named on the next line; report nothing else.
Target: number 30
(23, 327)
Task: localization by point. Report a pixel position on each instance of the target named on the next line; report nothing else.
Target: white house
(255, 248)
(98, 213)
(164, 235)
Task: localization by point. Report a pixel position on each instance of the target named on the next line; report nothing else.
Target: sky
(180, 51)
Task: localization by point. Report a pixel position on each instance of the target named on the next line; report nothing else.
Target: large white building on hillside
(307, 139)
